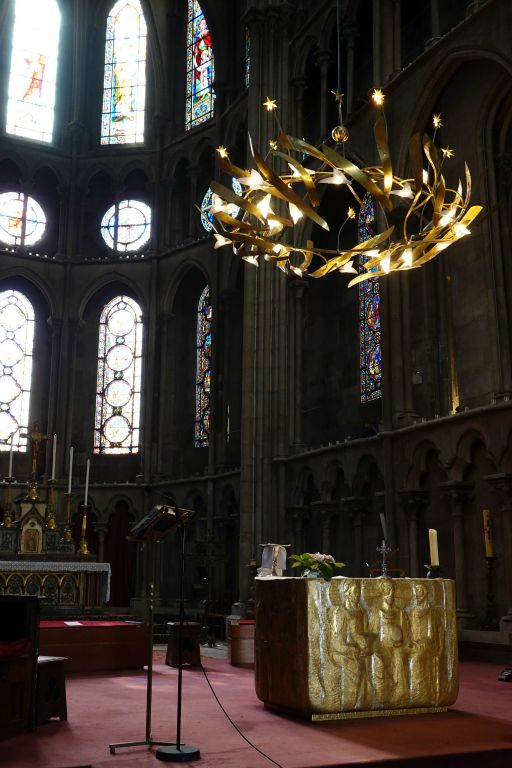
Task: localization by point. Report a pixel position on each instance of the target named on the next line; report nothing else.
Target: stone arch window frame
(194, 113)
(44, 59)
(110, 343)
(203, 370)
(8, 374)
(38, 216)
(108, 136)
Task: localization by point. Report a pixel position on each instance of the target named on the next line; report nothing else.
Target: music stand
(178, 752)
(151, 529)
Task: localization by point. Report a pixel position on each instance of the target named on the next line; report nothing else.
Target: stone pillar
(224, 342)
(297, 288)
(56, 326)
(413, 504)
(502, 486)
(356, 508)
(323, 58)
(101, 529)
(193, 222)
(457, 492)
(328, 510)
(299, 86)
(296, 515)
(350, 34)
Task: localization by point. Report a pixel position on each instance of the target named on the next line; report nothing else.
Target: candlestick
(54, 455)
(87, 482)
(490, 621)
(67, 538)
(51, 523)
(10, 456)
(489, 548)
(434, 552)
(83, 549)
(70, 469)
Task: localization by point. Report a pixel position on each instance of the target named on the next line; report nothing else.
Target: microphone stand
(179, 753)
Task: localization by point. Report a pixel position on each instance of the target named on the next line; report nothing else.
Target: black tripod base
(174, 755)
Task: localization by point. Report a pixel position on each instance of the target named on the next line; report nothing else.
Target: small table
(190, 653)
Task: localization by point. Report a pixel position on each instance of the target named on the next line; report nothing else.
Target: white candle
(87, 481)
(10, 456)
(383, 524)
(434, 552)
(54, 455)
(70, 468)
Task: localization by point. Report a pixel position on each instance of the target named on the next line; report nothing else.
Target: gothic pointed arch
(124, 80)
(33, 74)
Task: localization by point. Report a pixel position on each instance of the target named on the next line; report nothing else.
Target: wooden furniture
(350, 648)
(241, 643)
(94, 646)
(19, 623)
(51, 689)
(189, 644)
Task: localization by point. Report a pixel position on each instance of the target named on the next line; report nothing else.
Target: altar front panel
(355, 645)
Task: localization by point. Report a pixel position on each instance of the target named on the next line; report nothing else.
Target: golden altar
(350, 648)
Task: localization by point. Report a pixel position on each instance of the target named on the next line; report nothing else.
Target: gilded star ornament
(222, 151)
(270, 104)
(420, 216)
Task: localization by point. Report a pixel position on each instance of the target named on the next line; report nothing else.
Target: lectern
(152, 529)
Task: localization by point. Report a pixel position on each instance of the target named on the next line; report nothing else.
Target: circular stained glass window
(126, 226)
(206, 215)
(116, 429)
(121, 322)
(118, 393)
(119, 358)
(8, 425)
(22, 220)
(9, 388)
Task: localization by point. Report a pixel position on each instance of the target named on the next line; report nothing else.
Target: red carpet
(477, 731)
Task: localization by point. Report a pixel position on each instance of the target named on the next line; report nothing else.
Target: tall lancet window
(32, 82)
(369, 313)
(16, 342)
(124, 82)
(200, 94)
(203, 369)
(118, 391)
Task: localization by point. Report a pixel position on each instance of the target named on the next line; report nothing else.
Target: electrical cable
(235, 726)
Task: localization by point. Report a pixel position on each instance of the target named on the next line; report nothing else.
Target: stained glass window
(16, 341)
(200, 94)
(32, 82)
(207, 219)
(117, 418)
(369, 313)
(22, 220)
(203, 369)
(124, 80)
(126, 226)
(247, 72)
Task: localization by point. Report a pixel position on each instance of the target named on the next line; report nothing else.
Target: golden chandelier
(421, 216)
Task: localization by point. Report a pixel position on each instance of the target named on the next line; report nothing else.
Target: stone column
(413, 504)
(224, 342)
(101, 529)
(297, 288)
(56, 326)
(328, 510)
(299, 86)
(502, 486)
(350, 34)
(323, 58)
(457, 492)
(356, 508)
(193, 222)
(296, 515)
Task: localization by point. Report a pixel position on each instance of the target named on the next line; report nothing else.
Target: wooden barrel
(241, 643)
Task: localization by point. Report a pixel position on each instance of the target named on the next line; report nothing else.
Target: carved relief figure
(350, 649)
(426, 648)
(391, 648)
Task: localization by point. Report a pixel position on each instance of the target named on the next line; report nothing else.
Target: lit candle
(434, 552)
(489, 549)
(383, 524)
(10, 456)
(54, 455)
(87, 481)
(70, 468)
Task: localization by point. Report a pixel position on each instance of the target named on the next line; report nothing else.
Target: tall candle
(489, 549)
(54, 455)
(10, 456)
(434, 552)
(87, 481)
(383, 524)
(70, 468)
